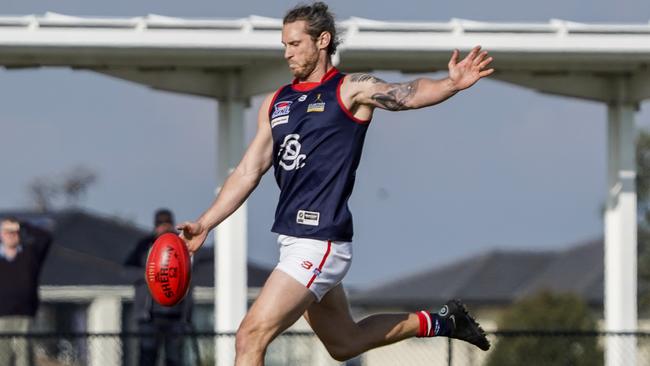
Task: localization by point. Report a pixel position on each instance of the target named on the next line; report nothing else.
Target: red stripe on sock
(322, 262)
(422, 332)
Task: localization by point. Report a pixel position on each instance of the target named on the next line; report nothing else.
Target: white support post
(620, 235)
(104, 316)
(230, 239)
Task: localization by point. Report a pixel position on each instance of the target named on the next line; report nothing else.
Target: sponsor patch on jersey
(279, 121)
(310, 218)
(316, 106)
(281, 109)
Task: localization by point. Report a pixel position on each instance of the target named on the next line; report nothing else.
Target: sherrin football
(168, 269)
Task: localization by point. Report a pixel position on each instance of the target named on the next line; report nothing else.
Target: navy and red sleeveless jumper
(317, 146)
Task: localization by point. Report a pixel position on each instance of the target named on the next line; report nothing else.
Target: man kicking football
(312, 132)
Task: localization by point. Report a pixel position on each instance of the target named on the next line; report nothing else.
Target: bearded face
(301, 51)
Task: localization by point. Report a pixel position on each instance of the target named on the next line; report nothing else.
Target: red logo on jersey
(307, 264)
(281, 108)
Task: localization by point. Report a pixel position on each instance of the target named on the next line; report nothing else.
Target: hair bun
(320, 6)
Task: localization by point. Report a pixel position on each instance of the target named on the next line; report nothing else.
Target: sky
(497, 166)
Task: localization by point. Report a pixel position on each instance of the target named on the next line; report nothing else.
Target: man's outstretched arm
(373, 92)
(238, 186)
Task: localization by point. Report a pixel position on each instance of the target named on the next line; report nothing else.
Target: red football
(168, 270)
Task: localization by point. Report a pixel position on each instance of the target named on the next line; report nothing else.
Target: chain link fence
(516, 348)
(529, 348)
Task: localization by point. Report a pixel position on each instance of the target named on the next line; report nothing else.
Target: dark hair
(10, 219)
(319, 20)
(163, 216)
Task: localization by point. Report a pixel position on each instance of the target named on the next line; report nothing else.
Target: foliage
(550, 312)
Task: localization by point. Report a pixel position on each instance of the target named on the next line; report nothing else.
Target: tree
(42, 192)
(76, 182)
(551, 312)
(70, 188)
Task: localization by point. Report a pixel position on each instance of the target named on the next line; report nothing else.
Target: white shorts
(319, 265)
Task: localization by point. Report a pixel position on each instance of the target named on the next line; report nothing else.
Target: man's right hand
(194, 234)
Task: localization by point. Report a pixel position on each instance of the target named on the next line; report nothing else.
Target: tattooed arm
(401, 96)
(367, 90)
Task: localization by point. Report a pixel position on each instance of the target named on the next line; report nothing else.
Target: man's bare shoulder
(364, 78)
(266, 102)
(369, 90)
(358, 84)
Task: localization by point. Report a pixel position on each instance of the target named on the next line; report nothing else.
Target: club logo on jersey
(307, 264)
(317, 106)
(280, 113)
(281, 109)
(291, 158)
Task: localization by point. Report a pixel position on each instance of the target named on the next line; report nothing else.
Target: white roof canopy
(531, 54)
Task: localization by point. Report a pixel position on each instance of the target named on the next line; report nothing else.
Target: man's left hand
(465, 73)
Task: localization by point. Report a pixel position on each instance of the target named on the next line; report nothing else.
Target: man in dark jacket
(23, 249)
(163, 323)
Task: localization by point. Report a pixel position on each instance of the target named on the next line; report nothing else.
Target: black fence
(530, 348)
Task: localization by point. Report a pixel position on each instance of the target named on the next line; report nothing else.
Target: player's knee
(342, 351)
(341, 354)
(252, 336)
(247, 341)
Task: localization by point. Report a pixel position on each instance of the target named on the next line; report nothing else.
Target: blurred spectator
(23, 249)
(160, 321)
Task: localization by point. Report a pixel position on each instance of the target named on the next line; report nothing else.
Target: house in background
(86, 289)
(491, 281)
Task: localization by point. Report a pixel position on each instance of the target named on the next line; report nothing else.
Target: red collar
(307, 86)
